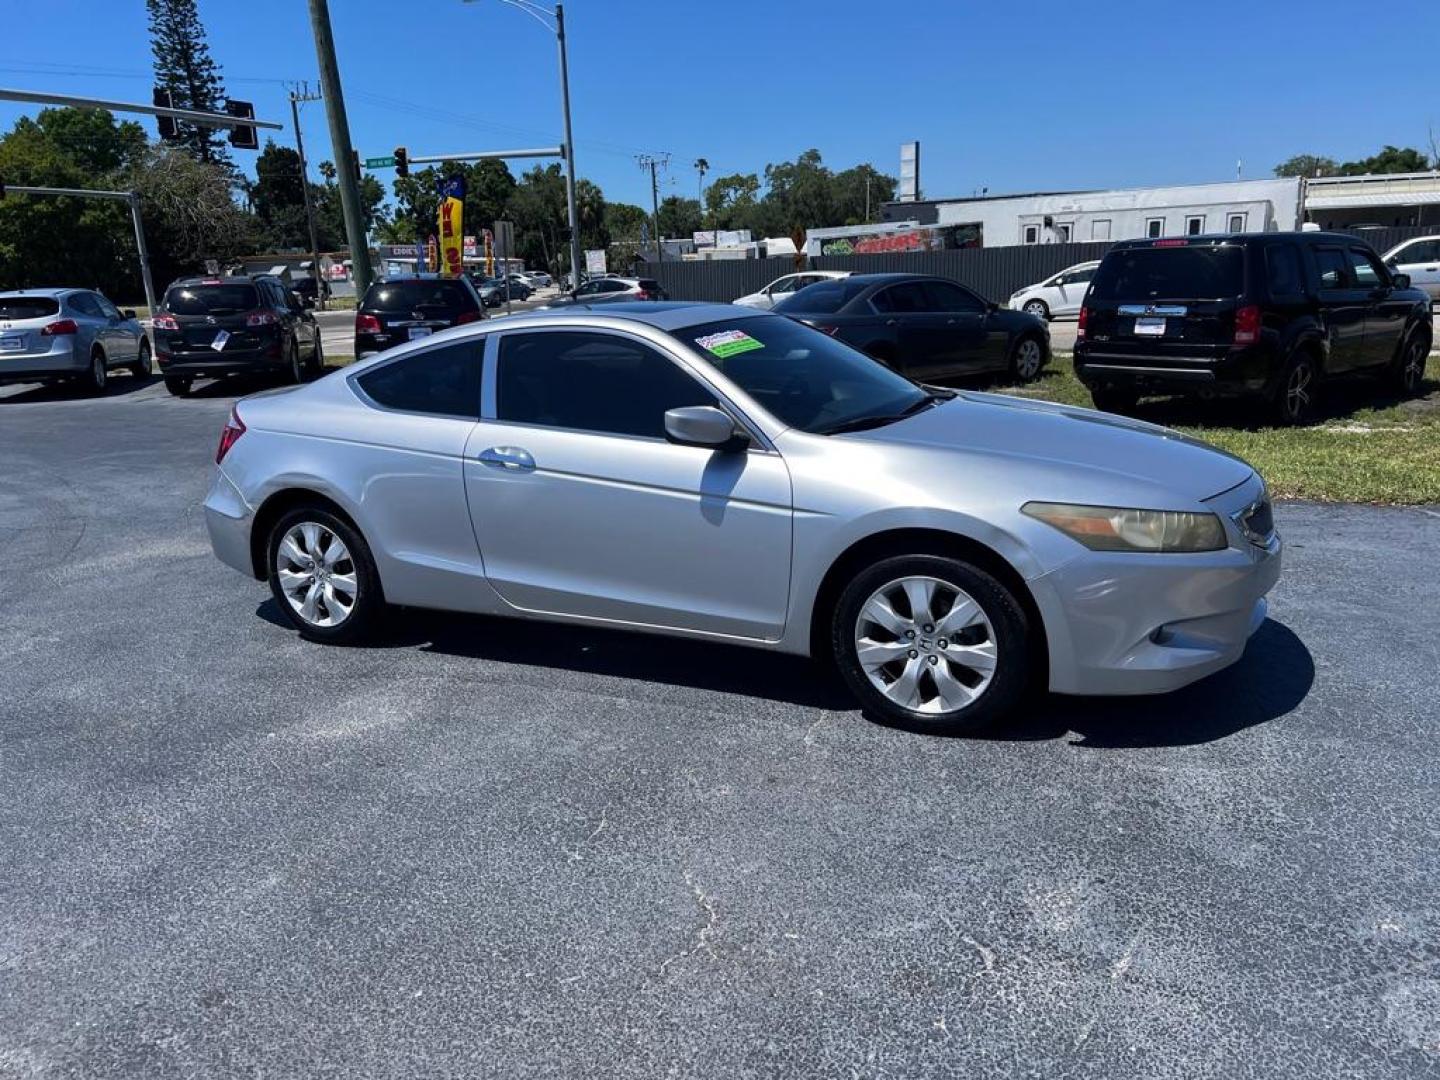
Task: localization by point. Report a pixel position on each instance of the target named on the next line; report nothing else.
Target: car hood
(1064, 437)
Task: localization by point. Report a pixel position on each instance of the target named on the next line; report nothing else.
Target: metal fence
(994, 273)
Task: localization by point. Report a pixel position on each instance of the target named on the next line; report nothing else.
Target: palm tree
(702, 166)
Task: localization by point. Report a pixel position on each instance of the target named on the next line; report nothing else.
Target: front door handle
(508, 457)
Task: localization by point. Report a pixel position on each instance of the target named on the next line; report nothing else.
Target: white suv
(785, 287)
(1420, 258)
(1058, 295)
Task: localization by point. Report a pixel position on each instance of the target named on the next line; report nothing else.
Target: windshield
(804, 378)
(28, 307)
(1201, 272)
(211, 299)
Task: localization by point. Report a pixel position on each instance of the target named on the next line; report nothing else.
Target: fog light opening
(1162, 635)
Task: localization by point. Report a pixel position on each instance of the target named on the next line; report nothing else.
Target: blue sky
(1006, 96)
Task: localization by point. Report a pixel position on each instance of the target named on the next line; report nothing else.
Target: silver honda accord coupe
(728, 474)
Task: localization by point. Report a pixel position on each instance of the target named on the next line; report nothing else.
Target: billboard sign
(909, 171)
(924, 238)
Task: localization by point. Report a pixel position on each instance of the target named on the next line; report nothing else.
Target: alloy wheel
(1027, 359)
(317, 574)
(1414, 371)
(926, 645)
(98, 371)
(1298, 391)
(1036, 308)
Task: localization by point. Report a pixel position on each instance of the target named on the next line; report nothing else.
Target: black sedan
(924, 327)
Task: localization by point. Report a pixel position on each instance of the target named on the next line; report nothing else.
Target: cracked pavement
(486, 848)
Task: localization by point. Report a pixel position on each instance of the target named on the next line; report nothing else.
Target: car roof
(1311, 237)
(661, 314)
(52, 293)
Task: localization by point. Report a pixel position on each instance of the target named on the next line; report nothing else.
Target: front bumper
(228, 519)
(1121, 623)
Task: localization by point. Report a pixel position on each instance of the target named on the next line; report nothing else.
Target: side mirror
(1400, 281)
(704, 425)
(128, 313)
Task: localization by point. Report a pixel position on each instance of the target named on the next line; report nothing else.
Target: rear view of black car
(397, 310)
(1269, 315)
(223, 326)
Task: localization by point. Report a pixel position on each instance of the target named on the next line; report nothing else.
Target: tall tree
(679, 218)
(850, 197)
(729, 199)
(1308, 166)
(1390, 159)
(800, 193)
(184, 67)
(278, 198)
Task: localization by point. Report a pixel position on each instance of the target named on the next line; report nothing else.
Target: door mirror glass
(1401, 281)
(129, 313)
(703, 425)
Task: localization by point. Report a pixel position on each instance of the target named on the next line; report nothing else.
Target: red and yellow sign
(452, 208)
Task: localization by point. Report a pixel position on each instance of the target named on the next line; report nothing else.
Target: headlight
(1113, 528)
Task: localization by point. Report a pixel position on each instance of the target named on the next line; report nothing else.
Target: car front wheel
(323, 577)
(932, 643)
(1026, 360)
(1038, 308)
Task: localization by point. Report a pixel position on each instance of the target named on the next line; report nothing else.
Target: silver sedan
(727, 474)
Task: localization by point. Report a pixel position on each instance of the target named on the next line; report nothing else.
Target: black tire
(317, 362)
(1011, 646)
(294, 369)
(1109, 399)
(1407, 372)
(368, 600)
(97, 375)
(1297, 393)
(1037, 308)
(1027, 368)
(141, 368)
(178, 385)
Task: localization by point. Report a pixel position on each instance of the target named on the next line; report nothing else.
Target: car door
(972, 343)
(1420, 259)
(582, 508)
(307, 331)
(1071, 288)
(93, 326)
(122, 344)
(1386, 312)
(1343, 307)
(925, 337)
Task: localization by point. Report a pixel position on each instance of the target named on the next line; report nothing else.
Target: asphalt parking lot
(485, 848)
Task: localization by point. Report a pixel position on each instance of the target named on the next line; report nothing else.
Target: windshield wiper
(865, 423)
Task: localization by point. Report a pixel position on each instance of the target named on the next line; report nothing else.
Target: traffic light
(355, 162)
(243, 137)
(163, 99)
(402, 161)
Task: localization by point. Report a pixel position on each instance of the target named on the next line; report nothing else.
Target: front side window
(1078, 277)
(109, 310)
(443, 381)
(1424, 251)
(589, 381)
(1367, 270)
(805, 379)
(952, 298)
(784, 285)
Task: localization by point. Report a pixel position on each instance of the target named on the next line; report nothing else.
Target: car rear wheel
(1108, 399)
(1038, 308)
(1408, 371)
(178, 385)
(297, 371)
(317, 362)
(1298, 394)
(141, 368)
(932, 643)
(98, 375)
(1026, 359)
(323, 576)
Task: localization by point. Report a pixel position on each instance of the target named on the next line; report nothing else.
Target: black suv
(221, 326)
(399, 309)
(1264, 314)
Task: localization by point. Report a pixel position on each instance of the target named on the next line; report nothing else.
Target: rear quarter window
(1191, 272)
(1282, 270)
(822, 298)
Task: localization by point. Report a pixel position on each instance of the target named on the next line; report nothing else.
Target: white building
(1131, 213)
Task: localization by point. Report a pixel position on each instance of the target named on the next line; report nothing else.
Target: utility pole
(296, 96)
(646, 161)
(569, 150)
(340, 146)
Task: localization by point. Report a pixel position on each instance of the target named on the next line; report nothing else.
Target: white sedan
(785, 287)
(1058, 295)
(1420, 258)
